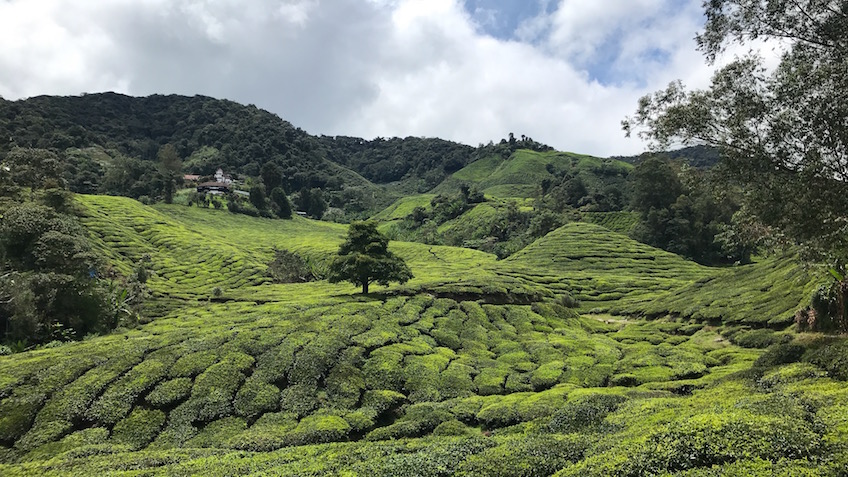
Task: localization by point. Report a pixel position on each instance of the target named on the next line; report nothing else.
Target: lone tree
(364, 258)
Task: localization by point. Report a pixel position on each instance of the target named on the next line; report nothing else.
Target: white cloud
(366, 67)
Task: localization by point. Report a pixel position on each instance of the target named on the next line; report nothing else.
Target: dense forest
(206, 134)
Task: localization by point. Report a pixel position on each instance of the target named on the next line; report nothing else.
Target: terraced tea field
(611, 273)
(621, 222)
(520, 174)
(472, 368)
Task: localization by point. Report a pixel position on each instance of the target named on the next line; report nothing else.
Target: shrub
(384, 370)
(86, 437)
(419, 420)
(215, 389)
(456, 381)
(382, 400)
(139, 428)
(710, 439)
(491, 380)
(256, 398)
(170, 392)
(299, 399)
(17, 414)
(453, 428)
(317, 429)
(217, 432)
(42, 433)
(525, 456)
(344, 386)
(778, 354)
(193, 364)
(266, 434)
(789, 374)
(361, 420)
(119, 398)
(584, 412)
(289, 267)
(832, 358)
(500, 413)
(762, 338)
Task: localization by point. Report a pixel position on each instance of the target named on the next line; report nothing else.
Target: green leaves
(364, 258)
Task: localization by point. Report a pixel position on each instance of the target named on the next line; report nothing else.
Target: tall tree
(282, 206)
(257, 197)
(171, 167)
(783, 133)
(272, 176)
(365, 258)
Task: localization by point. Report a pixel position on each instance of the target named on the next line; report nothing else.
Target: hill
(609, 272)
(701, 157)
(473, 368)
(522, 173)
(95, 133)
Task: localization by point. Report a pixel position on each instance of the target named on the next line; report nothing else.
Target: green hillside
(521, 174)
(621, 222)
(472, 368)
(402, 207)
(609, 272)
(601, 267)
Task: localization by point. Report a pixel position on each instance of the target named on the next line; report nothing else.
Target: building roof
(214, 184)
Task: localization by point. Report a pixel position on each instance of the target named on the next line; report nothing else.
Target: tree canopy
(782, 132)
(365, 258)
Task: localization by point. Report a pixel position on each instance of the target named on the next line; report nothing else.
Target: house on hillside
(191, 177)
(223, 178)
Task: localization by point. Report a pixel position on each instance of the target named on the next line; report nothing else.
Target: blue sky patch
(500, 18)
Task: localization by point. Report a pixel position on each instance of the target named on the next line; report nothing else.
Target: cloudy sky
(564, 72)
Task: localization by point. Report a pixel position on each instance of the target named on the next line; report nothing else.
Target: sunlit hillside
(475, 367)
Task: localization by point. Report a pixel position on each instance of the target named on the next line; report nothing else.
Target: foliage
(289, 267)
(312, 202)
(170, 166)
(257, 197)
(280, 203)
(585, 411)
(47, 283)
(394, 159)
(680, 213)
(781, 132)
(34, 168)
(365, 257)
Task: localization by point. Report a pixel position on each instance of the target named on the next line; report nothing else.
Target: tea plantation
(586, 353)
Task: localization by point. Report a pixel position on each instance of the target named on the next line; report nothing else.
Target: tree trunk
(842, 306)
(365, 288)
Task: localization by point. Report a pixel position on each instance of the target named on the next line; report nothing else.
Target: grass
(472, 368)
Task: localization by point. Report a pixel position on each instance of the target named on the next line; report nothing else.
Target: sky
(564, 72)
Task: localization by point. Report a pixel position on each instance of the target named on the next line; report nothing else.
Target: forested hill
(209, 133)
(701, 157)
